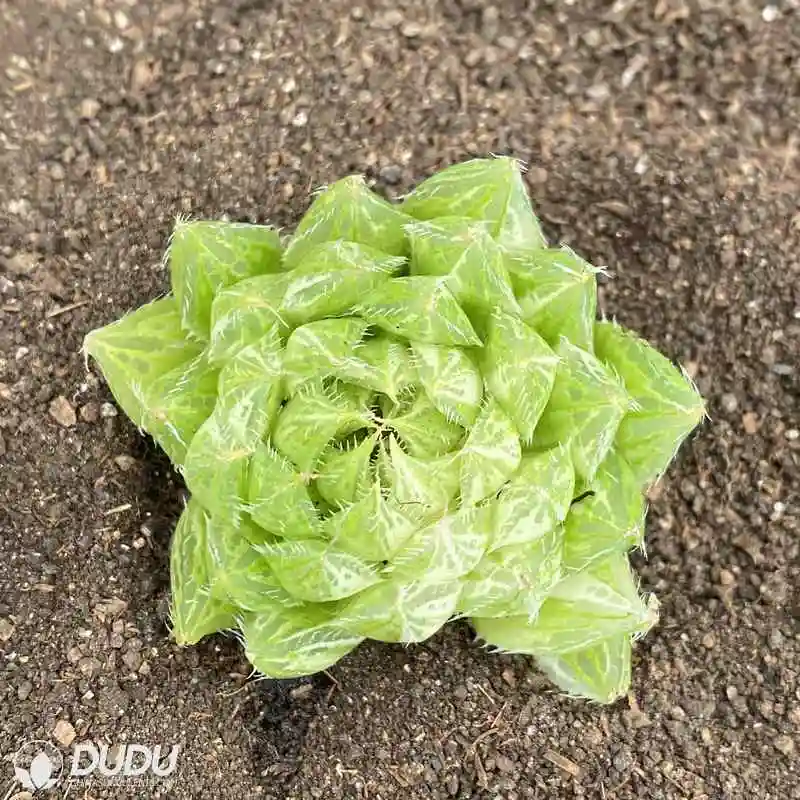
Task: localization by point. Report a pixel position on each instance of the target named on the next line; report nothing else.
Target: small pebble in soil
(64, 733)
(62, 411)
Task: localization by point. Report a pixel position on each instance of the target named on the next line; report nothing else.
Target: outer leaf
(135, 351)
(243, 313)
(668, 404)
(285, 642)
(311, 420)
(177, 403)
(452, 380)
(249, 393)
(278, 496)
(419, 308)
(601, 672)
(314, 571)
(216, 468)
(400, 610)
(333, 277)
(584, 411)
(557, 290)
(348, 210)
(373, 528)
(513, 580)
(490, 456)
(445, 550)
(205, 257)
(611, 520)
(482, 189)
(196, 610)
(536, 500)
(473, 262)
(582, 610)
(519, 369)
(242, 577)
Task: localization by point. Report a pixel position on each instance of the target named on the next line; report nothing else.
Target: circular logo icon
(38, 765)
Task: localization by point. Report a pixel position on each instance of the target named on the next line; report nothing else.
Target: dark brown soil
(663, 142)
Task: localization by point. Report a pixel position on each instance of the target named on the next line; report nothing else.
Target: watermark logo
(127, 760)
(38, 765)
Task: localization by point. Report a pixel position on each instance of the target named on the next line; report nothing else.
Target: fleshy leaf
(314, 571)
(490, 456)
(310, 420)
(536, 499)
(557, 291)
(206, 256)
(242, 577)
(609, 520)
(278, 497)
(489, 189)
(215, 470)
(136, 350)
(473, 263)
(393, 372)
(422, 488)
(400, 610)
(196, 610)
(582, 610)
(178, 403)
(585, 408)
(424, 430)
(513, 580)
(372, 528)
(285, 642)
(327, 349)
(601, 672)
(419, 308)
(451, 379)
(668, 404)
(519, 369)
(445, 550)
(333, 277)
(348, 210)
(243, 313)
(344, 474)
(249, 394)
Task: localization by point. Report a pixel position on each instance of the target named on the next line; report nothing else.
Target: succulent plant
(402, 414)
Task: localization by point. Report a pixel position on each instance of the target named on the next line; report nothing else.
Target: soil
(662, 142)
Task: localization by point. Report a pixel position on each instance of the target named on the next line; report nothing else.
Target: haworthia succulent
(668, 406)
(584, 409)
(407, 415)
(137, 350)
(557, 294)
(600, 672)
(488, 190)
(580, 611)
(347, 210)
(473, 263)
(197, 607)
(609, 519)
(206, 256)
(283, 642)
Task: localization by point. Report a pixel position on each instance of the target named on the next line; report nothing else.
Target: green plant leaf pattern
(401, 414)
